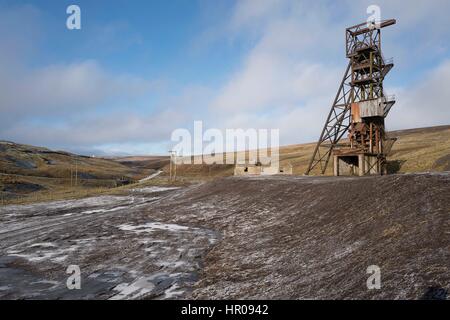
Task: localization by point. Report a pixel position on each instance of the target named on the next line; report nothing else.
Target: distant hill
(146, 162)
(416, 150)
(27, 169)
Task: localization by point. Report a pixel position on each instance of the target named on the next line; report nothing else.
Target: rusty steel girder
(361, 103)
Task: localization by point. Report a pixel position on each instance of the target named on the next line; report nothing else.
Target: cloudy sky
(137, 70)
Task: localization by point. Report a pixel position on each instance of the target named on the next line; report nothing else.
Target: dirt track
(263, 237)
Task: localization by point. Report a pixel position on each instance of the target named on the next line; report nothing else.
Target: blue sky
(137, 70)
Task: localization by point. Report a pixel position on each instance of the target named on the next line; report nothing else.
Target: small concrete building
(257, 169)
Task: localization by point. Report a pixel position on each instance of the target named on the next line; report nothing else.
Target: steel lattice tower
(359, 108)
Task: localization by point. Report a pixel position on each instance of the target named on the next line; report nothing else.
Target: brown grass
(416, 150)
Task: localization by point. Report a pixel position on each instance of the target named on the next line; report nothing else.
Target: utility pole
(76, 173)
(170, 166)
(173, 159)
(175, 164)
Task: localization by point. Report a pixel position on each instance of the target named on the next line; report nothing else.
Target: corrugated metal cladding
(372, 108)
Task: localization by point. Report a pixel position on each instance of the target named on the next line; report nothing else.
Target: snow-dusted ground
(154, 189)
(277, 237)
(122, 251)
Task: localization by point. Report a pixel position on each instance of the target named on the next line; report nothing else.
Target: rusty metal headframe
(362, 81)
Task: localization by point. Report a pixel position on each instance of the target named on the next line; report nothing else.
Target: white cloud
(426, 103)
(64, 88)
(286, 80)
(282, 83)
(269, 81)
(127, 130)
(94, 130)
(68, 105)
(251, 13)
(289, 78)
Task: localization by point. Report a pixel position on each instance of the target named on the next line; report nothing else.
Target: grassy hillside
(144, 162)
(26, 170)
(416, 150)
(42, 173)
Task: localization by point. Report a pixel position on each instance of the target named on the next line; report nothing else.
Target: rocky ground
(277, 237)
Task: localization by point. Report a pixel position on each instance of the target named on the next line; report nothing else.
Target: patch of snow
(43, 253)
(152, 226)
(105, 210)
(59, 259)
(172, 292)
(174, 264)
(347, 250)
(134, 290)
(154, 189)
(65, 204)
